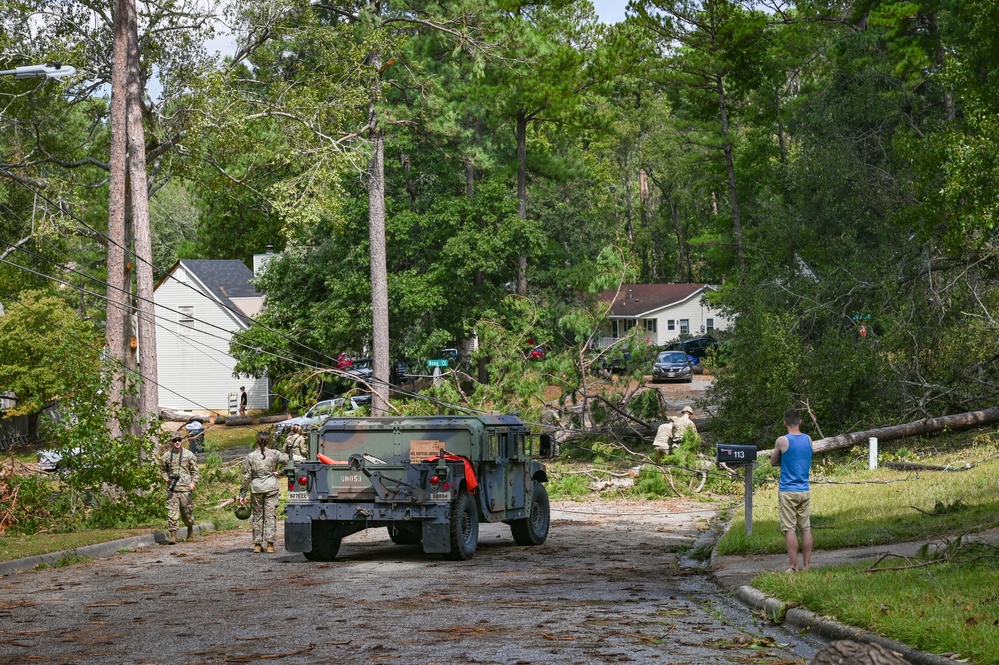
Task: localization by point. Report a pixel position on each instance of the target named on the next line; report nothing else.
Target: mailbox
(732, 454)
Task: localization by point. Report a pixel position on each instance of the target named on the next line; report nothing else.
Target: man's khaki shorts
(794, 511)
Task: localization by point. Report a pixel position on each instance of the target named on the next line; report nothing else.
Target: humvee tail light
(303, 480)
(291, 484)
(446, 487)
(434, 480)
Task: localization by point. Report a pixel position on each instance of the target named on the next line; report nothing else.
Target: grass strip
(944, 608)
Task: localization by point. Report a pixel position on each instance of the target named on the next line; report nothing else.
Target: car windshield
(672, 357)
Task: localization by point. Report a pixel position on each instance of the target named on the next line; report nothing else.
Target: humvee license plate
(298, 496)
(440, 496)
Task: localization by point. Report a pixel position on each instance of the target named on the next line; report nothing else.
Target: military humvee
(427, 479)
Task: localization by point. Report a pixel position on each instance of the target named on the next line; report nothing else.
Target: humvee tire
(405, 535)
(464, 528)
(324, 544)
(533, 530)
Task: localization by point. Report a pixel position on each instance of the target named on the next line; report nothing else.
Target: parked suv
(697, 347)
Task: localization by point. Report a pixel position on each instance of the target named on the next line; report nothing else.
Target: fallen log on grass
(925, 426)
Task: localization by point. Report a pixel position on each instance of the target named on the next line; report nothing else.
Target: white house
(662, 312)
(199, 305)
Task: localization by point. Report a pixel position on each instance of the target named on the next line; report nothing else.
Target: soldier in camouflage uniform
(681, 424)
(296, 446)
(182, 463)
(261, 470)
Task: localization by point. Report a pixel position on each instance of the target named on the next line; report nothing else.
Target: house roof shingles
(225, 279)
(638, 299)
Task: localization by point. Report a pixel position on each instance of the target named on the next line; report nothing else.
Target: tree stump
(848, 652)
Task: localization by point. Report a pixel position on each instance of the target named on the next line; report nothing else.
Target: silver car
(338, 406)
(672, 366)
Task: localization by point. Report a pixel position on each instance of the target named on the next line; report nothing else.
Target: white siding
(195, 369)
(694, 310)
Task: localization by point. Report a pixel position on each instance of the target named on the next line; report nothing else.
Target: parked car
(361, 369)
(53, 460)
(537, 353)
(317, 415)
(698, 347)
(614, 362)
(672, 366)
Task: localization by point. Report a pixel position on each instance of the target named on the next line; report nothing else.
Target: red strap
(328, 460)
(470, 482)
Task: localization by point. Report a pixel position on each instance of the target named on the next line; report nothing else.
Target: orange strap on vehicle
(328, 460)
(470, 482)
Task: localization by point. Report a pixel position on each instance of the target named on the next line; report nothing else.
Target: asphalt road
(603, 589)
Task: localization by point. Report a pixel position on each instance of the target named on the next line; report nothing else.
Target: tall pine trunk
(522, 194)
(118, 288)
(379, 270)
(147, 405)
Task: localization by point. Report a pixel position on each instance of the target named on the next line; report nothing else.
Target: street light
(53, 71)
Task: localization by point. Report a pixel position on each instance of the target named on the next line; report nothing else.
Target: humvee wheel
(464, 528)
(324, 545)
(405, 535)
(533, 530)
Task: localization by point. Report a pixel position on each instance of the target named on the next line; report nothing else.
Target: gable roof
(641, 299)
(222, 280)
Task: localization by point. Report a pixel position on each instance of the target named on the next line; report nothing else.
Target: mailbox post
(744, 456)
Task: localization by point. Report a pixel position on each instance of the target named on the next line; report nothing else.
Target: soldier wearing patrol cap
(681, 424)
(180, 470)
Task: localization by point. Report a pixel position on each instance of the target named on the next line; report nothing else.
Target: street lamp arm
(58, 70)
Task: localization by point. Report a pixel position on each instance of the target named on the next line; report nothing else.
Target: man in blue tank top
(793, 453)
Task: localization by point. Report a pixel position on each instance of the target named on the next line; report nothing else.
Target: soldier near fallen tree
(261, 470)
(180, 470)
(296, 445)
(681, 424)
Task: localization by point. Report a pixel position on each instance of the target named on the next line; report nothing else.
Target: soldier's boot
(270, 548)
(172, 540)
(256, 548)
(190, 532)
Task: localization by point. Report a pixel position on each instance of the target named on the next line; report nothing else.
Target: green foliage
(46, 351)
(36, 503)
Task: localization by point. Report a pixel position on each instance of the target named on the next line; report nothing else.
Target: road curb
(97, 550)
(805, 621)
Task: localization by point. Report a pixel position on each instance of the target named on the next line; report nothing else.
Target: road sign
(437, 363)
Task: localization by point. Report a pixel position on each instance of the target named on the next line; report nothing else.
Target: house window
(671, 325)
(709, 324)
(650, 325)
(185, 317)
(684, 326)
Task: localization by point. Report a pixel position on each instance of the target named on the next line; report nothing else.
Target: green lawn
(862, 507)
(939, 609)
(942, 607)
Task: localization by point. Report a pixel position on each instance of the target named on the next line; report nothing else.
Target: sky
(610, 11)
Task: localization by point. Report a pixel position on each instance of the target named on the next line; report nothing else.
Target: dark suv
(697, 347)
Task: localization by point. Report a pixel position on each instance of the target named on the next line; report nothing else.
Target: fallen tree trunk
(925, 426)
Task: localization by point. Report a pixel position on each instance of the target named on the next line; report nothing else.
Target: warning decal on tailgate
(423, 449)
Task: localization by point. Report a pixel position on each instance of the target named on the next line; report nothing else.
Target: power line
(130, 252)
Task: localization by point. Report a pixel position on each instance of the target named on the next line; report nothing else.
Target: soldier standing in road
(681, 424)
(261, 470)
(793, 454)
(180, 470)
(296, 446)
